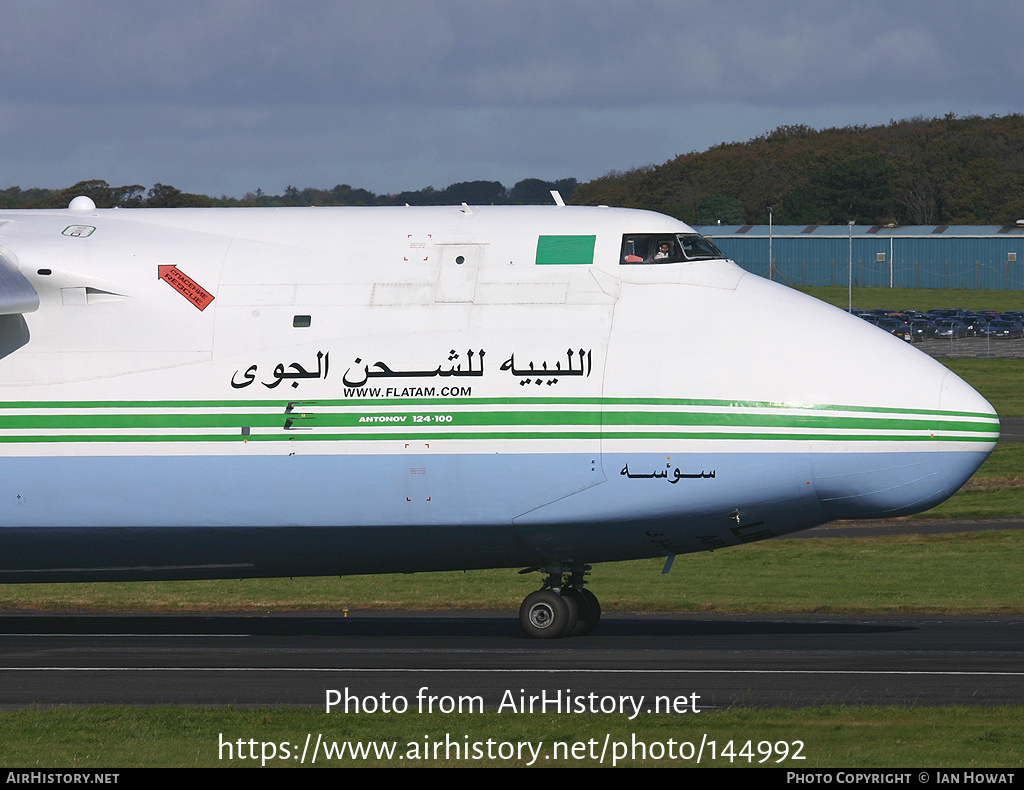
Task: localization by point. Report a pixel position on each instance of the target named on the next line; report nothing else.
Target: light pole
(771, 260)
(850, 287)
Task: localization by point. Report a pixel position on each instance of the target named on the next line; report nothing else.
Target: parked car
(974, 322)
(894, 326)
(1003, 329)
(921, 329)
(951, 328)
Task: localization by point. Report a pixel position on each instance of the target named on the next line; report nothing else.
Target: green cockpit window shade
(565, 249)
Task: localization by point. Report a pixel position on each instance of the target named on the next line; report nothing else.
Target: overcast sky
(227, 96)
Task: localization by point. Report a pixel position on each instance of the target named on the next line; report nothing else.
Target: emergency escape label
(185, 285)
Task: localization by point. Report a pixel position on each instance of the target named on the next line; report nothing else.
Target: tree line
(530, 191)
(919, 171)
(936, 171)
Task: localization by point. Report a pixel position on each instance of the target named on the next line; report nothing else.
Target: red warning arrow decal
(184, 285)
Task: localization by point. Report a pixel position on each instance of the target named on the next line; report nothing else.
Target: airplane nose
(911, 459)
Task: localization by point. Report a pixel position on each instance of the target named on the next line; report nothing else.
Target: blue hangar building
(987, 257)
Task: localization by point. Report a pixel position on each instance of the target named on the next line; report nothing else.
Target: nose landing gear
(562, 606)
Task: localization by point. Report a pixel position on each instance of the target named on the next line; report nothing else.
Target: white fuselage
(258, 392)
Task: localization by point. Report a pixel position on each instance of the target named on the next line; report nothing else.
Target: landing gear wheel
(589, 607)
(547, 615)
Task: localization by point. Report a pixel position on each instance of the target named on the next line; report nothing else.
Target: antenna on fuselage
(557, 197)
(82, 203)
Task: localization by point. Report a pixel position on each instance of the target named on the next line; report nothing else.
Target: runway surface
(294, 659)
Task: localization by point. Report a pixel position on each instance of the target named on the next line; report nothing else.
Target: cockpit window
(696, 247)
(639, 248)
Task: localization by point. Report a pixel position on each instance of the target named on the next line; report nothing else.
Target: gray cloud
(401, 93)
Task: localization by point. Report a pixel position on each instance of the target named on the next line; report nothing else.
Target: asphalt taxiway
(297, 659)
(1011, 429)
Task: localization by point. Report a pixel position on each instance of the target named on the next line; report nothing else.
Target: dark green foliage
(163, 196)
(719, 209)
(102, 194)
(942, 171)
(527, 192)
(106, 196)
(16, 197)
(531, 190)
(344, 195)
(476, 192)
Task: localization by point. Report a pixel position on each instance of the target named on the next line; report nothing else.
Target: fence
(989, 263)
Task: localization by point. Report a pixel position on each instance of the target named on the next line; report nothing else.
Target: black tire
(547, 615)
(590, 609)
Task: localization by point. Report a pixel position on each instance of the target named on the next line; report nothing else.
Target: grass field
(923, 299)
(1001, 381)
(975, 572)
(823, 738)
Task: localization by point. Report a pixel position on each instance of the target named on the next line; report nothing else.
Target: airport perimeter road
(295, 659)
(973, 347)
